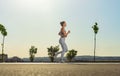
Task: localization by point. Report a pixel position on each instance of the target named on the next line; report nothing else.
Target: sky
(37, 23)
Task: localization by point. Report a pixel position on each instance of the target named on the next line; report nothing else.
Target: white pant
(64, 47)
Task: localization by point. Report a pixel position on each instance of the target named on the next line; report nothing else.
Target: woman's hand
(68, 31)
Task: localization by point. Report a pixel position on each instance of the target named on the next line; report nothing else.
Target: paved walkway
(59, 69)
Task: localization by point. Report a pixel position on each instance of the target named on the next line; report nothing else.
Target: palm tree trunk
(3, 49)
(94, 46)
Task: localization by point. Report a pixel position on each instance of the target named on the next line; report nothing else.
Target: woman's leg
(64, 49)
(61, 43)
(62, 56)
(60, 51)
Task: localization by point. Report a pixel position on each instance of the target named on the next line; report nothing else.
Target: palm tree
(95, 29)
(4, 33)
(51, 52)
(71, 54)
(32, 52)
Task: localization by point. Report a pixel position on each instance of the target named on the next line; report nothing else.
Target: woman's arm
(64, 32)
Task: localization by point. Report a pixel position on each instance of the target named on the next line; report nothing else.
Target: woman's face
(65, 24)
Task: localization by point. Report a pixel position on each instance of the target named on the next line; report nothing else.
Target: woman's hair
(61, 23)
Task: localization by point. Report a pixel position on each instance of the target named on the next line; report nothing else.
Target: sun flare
(43, 5)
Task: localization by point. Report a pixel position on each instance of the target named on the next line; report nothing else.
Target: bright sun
(43, 5)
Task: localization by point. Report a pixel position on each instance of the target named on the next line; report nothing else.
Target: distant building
(14, 59)
(5, 57)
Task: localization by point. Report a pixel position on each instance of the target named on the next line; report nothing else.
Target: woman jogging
(63, 34)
